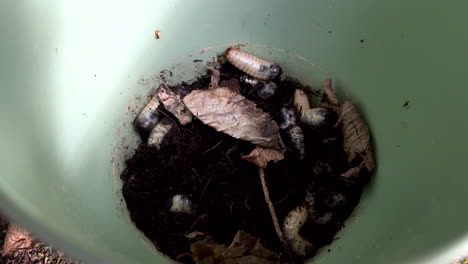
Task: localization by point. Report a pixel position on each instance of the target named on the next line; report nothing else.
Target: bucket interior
(74, 74)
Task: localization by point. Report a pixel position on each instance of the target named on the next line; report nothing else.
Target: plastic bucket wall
(72, 73)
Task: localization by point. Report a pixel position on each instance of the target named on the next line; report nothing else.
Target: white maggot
(297, 138)
(249, 80)
(159, 131)
(148, 117)
(181, 204)
(292, 223)
(315, 117)
(253, 66)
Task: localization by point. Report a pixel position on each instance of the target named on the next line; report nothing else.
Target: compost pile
(238, 166)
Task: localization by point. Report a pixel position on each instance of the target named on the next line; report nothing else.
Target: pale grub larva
(159, 131)
(253, 66)
(173, 103)
(249, 80)
(148, 117)
(297, 138)
(292, 224)
(315, 117)
(293, 130)
(181, 204)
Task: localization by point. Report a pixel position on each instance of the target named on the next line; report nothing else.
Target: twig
(204, 190)
(279, 233)
(246, 200)
(212, 147)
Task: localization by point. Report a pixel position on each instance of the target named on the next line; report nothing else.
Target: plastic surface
(71, 72)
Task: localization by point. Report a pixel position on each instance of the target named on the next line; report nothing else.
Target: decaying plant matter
(244, 249)
(173, 103)
(356, 138)
(235, 115)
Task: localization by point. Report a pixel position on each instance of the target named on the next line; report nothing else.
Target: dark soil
(206, 165)
(3, 229)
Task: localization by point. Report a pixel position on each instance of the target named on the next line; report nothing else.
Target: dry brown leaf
(262, 252)
(215, 77)
(352, 173)
(203, 252)
(231, 84)
(173, 103)
(233, 114)
(261, 156)
(356, 139)
(244, 248)
(16, 239)
(243, 241)
(329, 98)
(249, 260)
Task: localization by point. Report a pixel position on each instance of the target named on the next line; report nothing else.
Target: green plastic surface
(71, 73)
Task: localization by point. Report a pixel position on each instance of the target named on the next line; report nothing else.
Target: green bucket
(74, 72)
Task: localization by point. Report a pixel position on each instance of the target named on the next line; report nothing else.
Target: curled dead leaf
(231, 84)
(173, 103)
(233, 114)
(356, 139)
(16, 239)
(329, 98)
(261, 156)
(244, 249)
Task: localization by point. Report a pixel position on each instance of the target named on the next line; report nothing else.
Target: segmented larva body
(173, 103)
(159, 131)
(315, 117)
(292, 223)
(253, 66)
(249, 80)
(148, 117)
(181, 204)
(297, 138)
